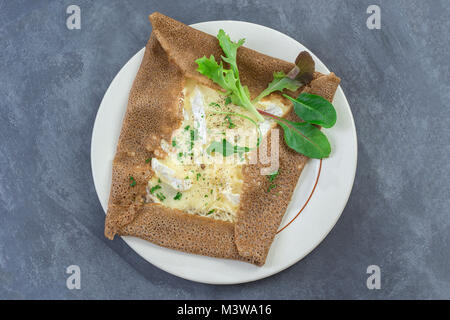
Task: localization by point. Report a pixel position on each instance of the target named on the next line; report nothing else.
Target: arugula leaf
(228, 79)
(314, 109)
(210, 68)
(226, 148)
(230, 49)
(279, 83)
(305, 139)
(300, 75)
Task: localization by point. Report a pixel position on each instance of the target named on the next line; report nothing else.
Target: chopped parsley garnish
(159, 180)
(174, 143)
(194, 136)
(210, 211)
(178, 196)
(148, 160)
(231, 125)
(153, 189)
(133, 182)
(187, 127)
(273, 176)
(198, 175)
(160, 196)
(227, 101)
(214, 104)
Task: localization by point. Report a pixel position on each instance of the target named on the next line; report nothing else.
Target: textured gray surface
(396, 80)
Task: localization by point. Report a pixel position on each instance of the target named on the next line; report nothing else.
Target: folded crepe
(152, 115)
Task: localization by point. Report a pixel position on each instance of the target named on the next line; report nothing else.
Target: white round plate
(303, 234)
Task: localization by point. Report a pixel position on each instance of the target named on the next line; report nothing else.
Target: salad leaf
(228, 79)
(279, 83)
(303, 137)
(210, 68)
(314, 109)
(300, 75)
(304, 68)
(230, 49)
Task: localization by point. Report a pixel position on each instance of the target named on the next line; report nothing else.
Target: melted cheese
(193, 180)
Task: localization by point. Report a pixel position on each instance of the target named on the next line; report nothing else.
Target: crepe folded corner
(154, 111)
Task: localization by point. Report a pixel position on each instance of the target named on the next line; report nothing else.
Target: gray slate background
(397, 82)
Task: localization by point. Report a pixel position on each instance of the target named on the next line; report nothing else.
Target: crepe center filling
(202, 172)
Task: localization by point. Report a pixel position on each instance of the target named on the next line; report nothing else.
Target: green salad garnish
(304, 136)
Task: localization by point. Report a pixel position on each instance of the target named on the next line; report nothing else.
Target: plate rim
(127, 239)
